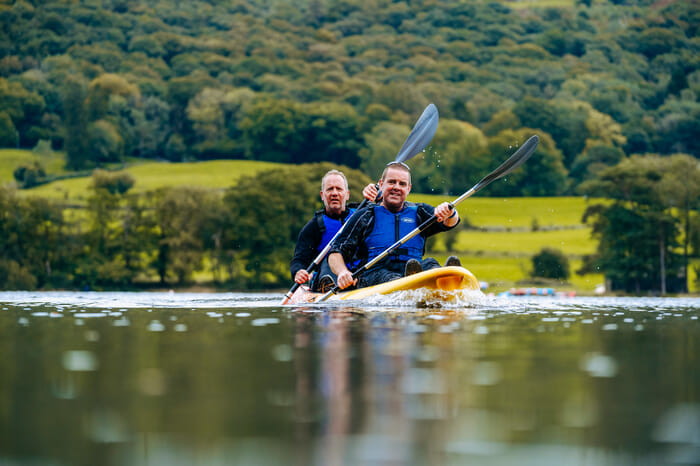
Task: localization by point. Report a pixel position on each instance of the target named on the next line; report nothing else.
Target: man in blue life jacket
(318, 232)
(373, 230)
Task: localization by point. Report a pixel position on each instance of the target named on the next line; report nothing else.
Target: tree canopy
(328, 80)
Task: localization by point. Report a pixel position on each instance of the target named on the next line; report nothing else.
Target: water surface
(231, 378)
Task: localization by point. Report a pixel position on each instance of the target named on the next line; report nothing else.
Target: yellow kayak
(440, 280)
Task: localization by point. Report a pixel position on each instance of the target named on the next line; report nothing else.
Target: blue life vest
(328, 227)
(389, 228)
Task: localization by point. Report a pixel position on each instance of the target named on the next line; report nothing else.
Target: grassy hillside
(515, 212)
(153, 175)
(10, 159)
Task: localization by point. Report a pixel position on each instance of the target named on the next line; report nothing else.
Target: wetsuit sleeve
(306, 249)
(425, 211)
(350, 242)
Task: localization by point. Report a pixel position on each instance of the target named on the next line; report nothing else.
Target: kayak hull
(442, 280)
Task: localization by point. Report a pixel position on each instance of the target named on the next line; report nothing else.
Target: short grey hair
(334, 172)
(400, 166)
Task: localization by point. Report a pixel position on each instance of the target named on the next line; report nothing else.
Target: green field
(149, 176)
(153, 175)
(571, 242)
(503, 273)
(10, 159)
(515, 212)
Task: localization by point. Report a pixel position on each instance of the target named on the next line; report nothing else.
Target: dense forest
(610, 87)
(343, 80)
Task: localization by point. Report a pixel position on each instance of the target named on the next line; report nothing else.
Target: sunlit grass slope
(153, 175)
(10, 159)
(515, 212)
(570, 242)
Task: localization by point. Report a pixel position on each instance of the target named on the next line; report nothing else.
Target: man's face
(334, 194)
(395, 187)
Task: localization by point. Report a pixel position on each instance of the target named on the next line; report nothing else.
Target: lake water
(221, 379)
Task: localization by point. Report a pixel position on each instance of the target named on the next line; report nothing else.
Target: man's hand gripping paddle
(515, 160)
(421, 134)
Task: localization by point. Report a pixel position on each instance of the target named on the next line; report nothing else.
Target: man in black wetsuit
(318, 232)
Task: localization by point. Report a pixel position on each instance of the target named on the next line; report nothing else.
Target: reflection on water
(208, 379)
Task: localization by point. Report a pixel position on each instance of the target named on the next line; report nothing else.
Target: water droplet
(155, 326)
(106, 426)
(599, 365)
(265, 321)
(79, 361)
(123, 322)
(486, 373)
(282, 353)
(423, 381)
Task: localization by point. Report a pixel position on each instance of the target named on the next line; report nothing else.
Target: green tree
(459, 155)
(542, 175)
(74, 93)
(550, 263)
(101, 264)
(593, 160)
(680, 189)
(565, 122)
(637, 233)
(9, 136)
(151, 128)
(35, 249)
(28, 176)
(180, 215)
(24, 108)
(381, 146)
(104, 87)
(114, 183)
(285, 131)
(104, 142)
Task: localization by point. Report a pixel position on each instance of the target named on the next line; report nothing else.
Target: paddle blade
(514, 161)
(421, 134)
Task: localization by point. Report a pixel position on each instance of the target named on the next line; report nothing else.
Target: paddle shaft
(515, 160)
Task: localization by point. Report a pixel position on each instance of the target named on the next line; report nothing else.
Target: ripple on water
(132, 300)
(89, 305)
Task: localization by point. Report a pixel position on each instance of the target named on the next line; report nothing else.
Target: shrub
(550, 263)
(28, 176)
